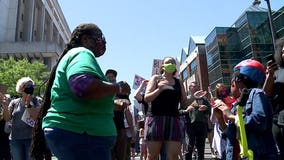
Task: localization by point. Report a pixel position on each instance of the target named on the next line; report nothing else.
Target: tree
(12, 70)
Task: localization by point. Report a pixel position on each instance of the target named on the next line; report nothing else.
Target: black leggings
(278, 133)
(197, 133)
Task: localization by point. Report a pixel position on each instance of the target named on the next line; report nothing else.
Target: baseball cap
(111, 71)
(253, 69)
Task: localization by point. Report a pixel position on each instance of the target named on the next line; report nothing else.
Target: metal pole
(273, 34)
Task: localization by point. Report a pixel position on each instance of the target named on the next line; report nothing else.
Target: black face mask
(29, 90)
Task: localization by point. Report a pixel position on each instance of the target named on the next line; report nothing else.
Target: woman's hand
(144, 83)
(28, 100)
(121, 104)
(189, 109)
(202, 107)
(219, 104)
(271, 67)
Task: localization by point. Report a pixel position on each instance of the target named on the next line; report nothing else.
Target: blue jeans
(20, 149)
(66, 145)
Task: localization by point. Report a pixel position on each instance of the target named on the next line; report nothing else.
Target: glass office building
(223, 52)
(278, 22)
(249, 37)
(255, 35)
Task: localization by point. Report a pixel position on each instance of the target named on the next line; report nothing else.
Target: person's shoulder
(15, 100)
(279, 74)
(177, 78)
(80, 51)
(256, 90)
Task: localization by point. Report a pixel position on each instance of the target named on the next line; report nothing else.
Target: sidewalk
(207, 153)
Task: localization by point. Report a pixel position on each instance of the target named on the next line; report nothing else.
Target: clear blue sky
(138, 31)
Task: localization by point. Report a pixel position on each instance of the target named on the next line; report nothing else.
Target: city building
(278, 23)
(249, 37)
(32, 29)
(223, 52)
(193, 64)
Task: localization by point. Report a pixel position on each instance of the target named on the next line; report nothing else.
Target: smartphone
(270, 57)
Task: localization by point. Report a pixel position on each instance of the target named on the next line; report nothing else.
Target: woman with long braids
(76, 120)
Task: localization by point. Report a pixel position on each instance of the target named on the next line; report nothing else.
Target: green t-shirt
(69, 112)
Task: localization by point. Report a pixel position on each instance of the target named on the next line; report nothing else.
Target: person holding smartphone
(274, 88)
(21, 131)
(257, 111)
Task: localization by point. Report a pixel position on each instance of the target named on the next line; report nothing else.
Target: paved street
(207, 153)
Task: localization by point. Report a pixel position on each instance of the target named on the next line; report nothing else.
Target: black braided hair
(38, 147)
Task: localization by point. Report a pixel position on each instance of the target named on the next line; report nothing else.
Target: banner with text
(157, 63)
(137, 81)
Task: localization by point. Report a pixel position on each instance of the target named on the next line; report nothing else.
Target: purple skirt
(162, 128)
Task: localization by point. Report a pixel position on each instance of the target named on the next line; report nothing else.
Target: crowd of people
(86, 114)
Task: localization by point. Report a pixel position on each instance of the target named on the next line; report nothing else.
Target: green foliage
(12, 70)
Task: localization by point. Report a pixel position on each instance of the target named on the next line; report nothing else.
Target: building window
(184, 75)
(22, 17)
(21, 35)
(193, 67)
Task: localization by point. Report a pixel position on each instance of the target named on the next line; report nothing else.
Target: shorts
(162, 128)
